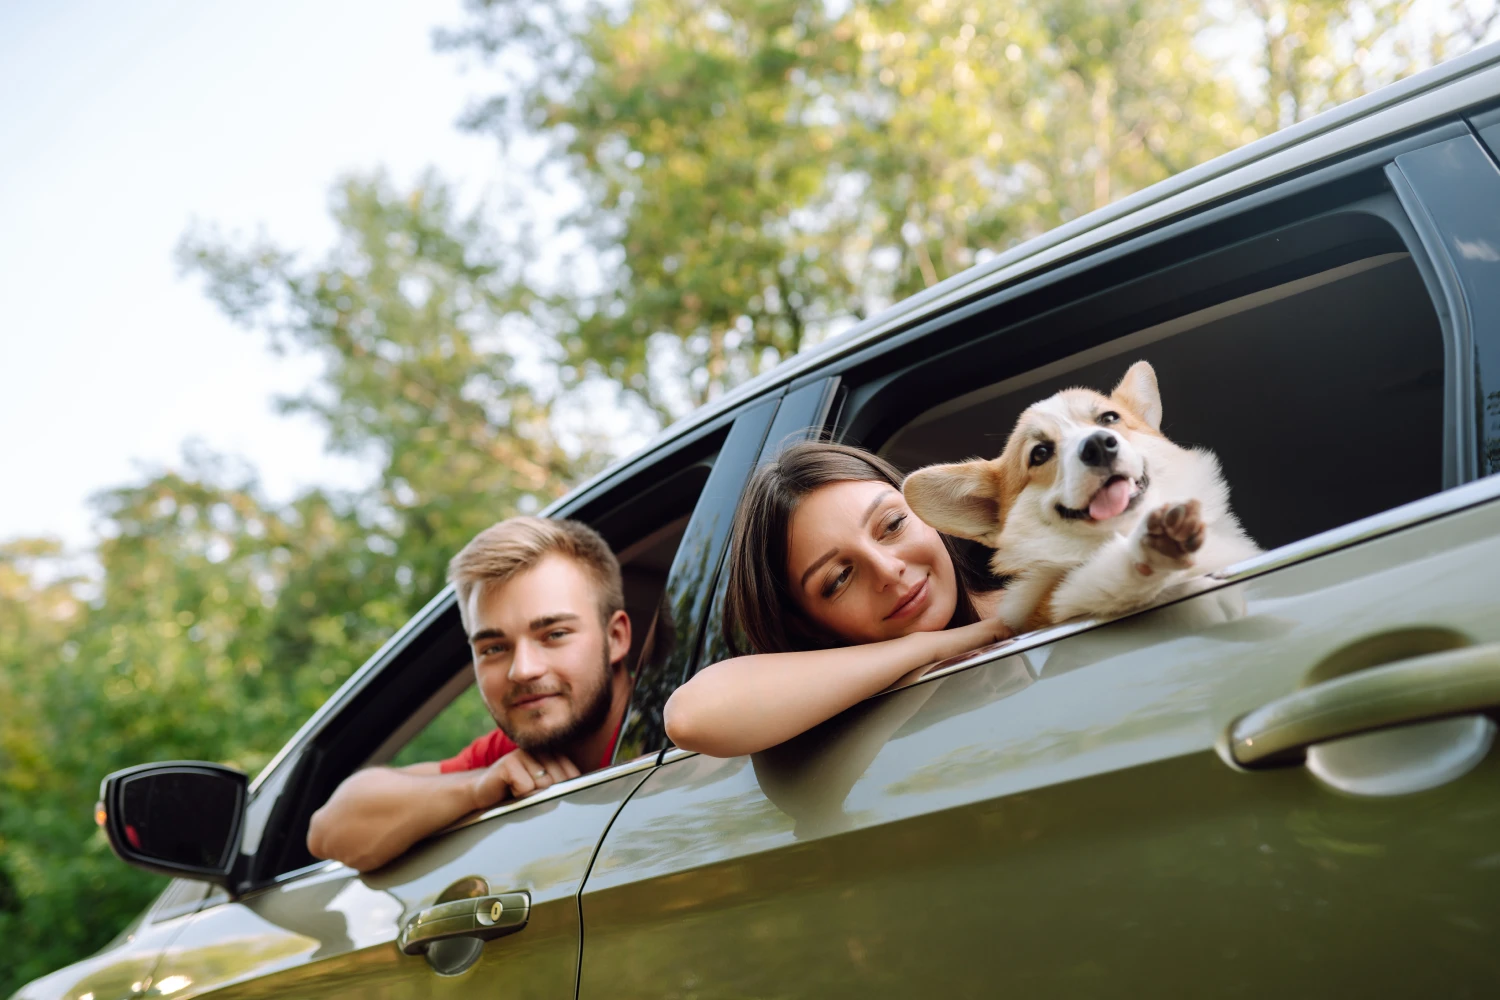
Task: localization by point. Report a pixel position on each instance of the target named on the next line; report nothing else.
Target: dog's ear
(1138, 391)
(961, 499)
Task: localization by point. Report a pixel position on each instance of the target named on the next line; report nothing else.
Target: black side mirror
(178, 818)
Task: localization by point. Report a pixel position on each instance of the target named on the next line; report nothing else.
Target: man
(543, 607)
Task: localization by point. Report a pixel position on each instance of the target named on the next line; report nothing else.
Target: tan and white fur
(1091, 511)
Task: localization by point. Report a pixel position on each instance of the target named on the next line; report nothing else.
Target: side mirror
(177, 818)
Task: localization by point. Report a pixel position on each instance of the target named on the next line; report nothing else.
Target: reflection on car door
(332, 932)
(1060, 821)
(123, 967)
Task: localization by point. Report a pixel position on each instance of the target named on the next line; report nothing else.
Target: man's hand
(519, 774)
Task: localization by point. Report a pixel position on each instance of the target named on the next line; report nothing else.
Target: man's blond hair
(515, 545)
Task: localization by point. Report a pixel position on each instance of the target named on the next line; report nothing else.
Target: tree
(757, 174)
(218, 620)
(417, 315)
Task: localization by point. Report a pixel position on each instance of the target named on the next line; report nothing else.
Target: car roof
(1421, 99)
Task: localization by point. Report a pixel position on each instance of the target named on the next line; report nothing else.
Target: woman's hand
(954, 641)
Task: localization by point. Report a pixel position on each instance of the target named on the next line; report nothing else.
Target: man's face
(542, 656)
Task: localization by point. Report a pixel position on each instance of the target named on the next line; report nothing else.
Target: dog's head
(1075, 463)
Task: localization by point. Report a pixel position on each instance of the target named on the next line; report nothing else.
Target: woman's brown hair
(759, 606)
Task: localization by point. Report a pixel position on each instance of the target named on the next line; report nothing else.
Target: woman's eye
(1109, 417)
(894, 524)
(833, 585)
(1040, 454)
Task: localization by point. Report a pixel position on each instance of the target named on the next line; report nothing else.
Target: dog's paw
(1173, 532)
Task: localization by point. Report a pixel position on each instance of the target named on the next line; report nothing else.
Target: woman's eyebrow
(879, 499)
(816, 563)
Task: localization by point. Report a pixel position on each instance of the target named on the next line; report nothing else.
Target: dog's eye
(1109, 417)
(1040, 454)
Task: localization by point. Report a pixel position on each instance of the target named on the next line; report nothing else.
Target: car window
(1310, 359)
(416, 701)
(1293, 387)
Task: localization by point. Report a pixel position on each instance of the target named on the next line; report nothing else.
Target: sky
(121, 125)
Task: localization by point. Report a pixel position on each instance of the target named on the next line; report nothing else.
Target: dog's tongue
(1110, 501)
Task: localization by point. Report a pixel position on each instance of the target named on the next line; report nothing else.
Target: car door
(515, 871)
(123, 967)
(333, 932)
(1281, 785)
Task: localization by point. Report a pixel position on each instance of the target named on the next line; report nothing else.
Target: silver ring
(541, 772)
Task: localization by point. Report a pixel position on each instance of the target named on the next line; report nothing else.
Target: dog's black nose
(1099, 449)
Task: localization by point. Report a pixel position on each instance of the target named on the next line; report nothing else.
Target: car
(1281, 785)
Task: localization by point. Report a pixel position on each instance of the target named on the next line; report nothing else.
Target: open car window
(1307, 356)
(1321, 396)
(416, 700)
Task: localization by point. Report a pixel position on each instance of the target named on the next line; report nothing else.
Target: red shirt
(495, 744)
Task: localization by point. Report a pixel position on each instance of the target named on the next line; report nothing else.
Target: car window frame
(423, 630)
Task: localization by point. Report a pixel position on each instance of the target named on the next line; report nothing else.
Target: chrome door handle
(1435, 686)
(481, 917)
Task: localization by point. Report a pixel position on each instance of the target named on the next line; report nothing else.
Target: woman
(841, 592)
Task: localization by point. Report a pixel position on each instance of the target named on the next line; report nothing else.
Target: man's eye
(1108, 417)
(832, 586)
(1040, 454)
(557, 633)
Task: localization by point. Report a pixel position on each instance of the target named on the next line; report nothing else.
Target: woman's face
(863, 566)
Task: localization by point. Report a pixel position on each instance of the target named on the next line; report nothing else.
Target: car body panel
(331, 933)
(1061, 819)
(120, 970)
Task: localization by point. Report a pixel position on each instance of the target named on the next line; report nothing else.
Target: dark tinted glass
(179, 817)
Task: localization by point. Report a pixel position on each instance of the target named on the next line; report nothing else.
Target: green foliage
(220, 620)
(758, 174)
(465, 718)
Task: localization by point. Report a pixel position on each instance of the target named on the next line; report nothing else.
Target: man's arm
(377, 813)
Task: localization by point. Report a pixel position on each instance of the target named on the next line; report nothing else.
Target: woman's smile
(913, 602)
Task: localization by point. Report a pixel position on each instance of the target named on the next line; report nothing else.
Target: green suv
(1282, 786)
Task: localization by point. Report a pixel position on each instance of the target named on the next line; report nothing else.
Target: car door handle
(481, 917)
(1434, 686)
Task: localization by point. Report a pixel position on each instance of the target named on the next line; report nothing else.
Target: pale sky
(121, 123)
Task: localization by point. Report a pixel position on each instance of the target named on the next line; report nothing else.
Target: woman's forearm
(749, 703)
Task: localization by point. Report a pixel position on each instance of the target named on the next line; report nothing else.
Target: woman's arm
(749, 703)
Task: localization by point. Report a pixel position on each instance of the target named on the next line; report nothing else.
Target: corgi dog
(1091, 511)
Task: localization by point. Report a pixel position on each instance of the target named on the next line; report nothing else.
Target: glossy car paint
(1062, 821)
(121, 969)
(331, 933)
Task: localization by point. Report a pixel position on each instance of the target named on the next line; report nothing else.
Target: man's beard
(595, 711)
